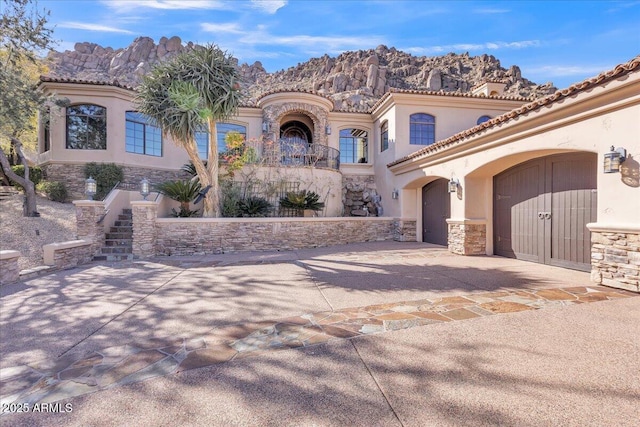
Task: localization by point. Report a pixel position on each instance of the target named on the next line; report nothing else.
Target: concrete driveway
(368, 334)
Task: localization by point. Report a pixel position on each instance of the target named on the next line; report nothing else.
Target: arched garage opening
(541, 208)
(436, 209)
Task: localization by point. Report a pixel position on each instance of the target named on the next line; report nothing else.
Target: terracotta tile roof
(114, 83)
(618, 71)
(443, 93)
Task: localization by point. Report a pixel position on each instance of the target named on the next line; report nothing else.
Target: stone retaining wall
(467, 238)
(72, 175)
(404, 230)
(615, 259)
(64, 255)
(9, 270)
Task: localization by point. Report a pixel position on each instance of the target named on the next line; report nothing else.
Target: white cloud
(229, 27)
(123, 6)
(93, 27)
(269, 6)
(472, 47)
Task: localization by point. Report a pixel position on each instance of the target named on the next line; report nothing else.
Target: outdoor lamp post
(90, 187)
(613, 158)
(144, 188)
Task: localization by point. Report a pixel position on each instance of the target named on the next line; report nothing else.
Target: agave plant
(182, 191)
(302, 200)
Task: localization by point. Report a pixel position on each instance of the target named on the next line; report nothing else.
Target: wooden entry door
(436, 208)
(542, 207)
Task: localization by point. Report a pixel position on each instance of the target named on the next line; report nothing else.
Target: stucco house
(480, 172)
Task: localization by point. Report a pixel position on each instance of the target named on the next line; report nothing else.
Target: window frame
(426, 128)
(102, 117)
(480, 119)
(203, 145)
(354, 141)
(145, 141)
(384, 136)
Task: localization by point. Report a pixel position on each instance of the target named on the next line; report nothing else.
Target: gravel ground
(57, 223)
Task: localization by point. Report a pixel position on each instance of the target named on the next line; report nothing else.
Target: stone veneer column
(404, 230)
(89, 213)
(145, 214)
(9, 270)
(467, 237)
(615, 257)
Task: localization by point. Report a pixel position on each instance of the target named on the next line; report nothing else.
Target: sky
(556, 41)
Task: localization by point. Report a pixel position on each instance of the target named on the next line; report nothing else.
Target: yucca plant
(254, 207)
(183, 191)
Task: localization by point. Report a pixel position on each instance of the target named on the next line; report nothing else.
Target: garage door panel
(542, 207)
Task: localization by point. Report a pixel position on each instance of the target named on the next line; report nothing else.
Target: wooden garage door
(542, 207)
(435, 211)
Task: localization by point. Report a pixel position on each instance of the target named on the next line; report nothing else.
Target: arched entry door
(541, 209)
(436, 208)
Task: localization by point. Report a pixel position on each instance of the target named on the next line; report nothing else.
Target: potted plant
(305, 202)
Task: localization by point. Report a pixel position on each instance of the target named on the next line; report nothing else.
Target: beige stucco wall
(590, 121)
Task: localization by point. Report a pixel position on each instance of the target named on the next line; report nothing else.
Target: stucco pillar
(89, 216)
(145, 214)
(9, 270)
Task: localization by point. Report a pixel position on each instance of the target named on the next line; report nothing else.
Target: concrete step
(118, 242)
(127, 211)
(116, 236)
(123, 223)
(121, 229)
(113, 257)
(116, 250)
(127, 217)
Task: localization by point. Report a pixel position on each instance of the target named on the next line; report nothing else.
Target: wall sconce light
(90, 188)
(453, 185)
(613, 158)
(265, 126)
(395, 193)
(144, 188)
(327, 130)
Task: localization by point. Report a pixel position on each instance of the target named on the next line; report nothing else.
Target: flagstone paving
(76, 374)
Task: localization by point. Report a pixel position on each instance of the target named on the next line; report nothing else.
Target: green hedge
(106, 176)
(54, 190)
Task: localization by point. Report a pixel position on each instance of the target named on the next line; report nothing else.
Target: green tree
(24, 33)
(188, 94)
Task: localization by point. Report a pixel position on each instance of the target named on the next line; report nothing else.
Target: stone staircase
(118, 244)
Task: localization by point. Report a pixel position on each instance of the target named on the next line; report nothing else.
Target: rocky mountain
(353, 80)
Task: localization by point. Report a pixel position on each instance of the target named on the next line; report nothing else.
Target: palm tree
(189, 94)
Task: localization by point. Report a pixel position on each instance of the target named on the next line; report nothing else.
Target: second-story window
(422, 129)
(202, 138)
(86, 127)
(483, 119)
(354, 146)
(142, 137)
(384, 136)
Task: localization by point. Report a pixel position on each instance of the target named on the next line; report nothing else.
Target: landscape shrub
(106, 175)
(54, 190)
(254, 207)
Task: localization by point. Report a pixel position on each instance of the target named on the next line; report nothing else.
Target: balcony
(288, 152)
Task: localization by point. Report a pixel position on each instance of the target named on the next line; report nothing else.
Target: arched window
(483, 119)
(142, 137)
(202, 138)
(422, 129)
(354, 146)
(86, 127)
(384, 136)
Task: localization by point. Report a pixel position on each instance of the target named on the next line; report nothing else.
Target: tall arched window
(422, 129)
(384, 136)
(354, 146)
(86, 127)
